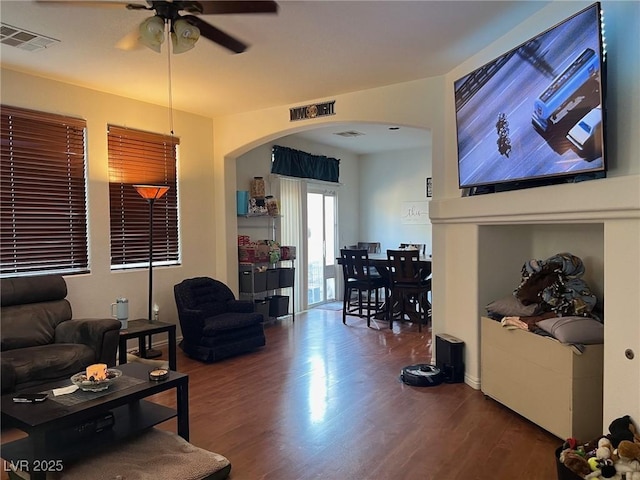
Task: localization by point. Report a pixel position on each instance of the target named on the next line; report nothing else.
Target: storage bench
(543, 380)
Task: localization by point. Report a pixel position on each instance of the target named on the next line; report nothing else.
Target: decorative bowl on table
(88, 385)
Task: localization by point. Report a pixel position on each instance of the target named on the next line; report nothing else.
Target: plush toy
(628, 463)
(575, 462)
(628, 470)
(622, 429)
(629, 451)
(600, 475)
(606, 458)
(605, 450)
(608, 469)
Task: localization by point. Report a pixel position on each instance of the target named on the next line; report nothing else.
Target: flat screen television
(536, 115)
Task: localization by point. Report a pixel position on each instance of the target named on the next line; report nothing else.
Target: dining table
(380, 261)
(381, 264)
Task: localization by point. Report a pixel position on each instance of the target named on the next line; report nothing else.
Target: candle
(97, 372)
(158, 374)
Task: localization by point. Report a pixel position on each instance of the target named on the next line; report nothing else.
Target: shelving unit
(263, 287)
(262, 221)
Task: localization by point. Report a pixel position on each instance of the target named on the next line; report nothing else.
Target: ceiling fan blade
(218, 7)
(98, 3)
(216, 35)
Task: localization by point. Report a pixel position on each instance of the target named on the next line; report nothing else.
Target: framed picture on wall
(414, 213)
(429, 188)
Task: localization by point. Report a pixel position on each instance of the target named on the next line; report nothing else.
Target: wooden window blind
(138, 157)
(43, 217)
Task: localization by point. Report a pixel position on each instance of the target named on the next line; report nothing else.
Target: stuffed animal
(628, 470)
(628, 463)
(605, 457)
(622, 429)
(599, 475)
(629, 451)
(605, 449)
(575, 462)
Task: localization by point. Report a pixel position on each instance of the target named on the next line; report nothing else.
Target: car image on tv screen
(525, 115)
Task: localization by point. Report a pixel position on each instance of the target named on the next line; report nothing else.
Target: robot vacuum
(421, 375)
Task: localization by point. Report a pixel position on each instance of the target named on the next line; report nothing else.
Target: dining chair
(421, 247)
(371, 247)
(410, 286)
(358, 277)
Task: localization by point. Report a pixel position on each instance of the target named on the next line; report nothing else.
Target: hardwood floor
(323, 401)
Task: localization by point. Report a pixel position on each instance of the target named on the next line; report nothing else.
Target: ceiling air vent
(349, 133)
(20, 38)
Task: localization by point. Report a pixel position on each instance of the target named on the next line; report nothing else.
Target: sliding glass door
(321, 246)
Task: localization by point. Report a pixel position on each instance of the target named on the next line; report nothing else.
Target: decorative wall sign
(429, 187)
(312, 111)
(415, 213)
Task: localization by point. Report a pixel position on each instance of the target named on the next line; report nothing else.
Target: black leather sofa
(40, 342)
(215, 325)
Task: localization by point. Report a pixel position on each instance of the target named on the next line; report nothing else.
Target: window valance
(295, 163)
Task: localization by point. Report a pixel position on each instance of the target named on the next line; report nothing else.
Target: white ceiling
(310, 50)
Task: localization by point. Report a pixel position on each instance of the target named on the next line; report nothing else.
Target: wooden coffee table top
(136, 385)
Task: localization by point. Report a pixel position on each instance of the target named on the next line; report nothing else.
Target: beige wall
(92, 294)
(383, 192)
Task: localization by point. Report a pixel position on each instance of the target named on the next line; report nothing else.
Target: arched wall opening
(347, 166)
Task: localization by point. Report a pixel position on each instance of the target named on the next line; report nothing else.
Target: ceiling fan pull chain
(169, 48)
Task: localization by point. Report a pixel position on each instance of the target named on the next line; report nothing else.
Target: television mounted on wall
(536, 115)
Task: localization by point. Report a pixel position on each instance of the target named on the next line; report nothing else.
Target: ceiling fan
(185, 29)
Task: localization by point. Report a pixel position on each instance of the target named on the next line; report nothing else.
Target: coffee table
(45, 450)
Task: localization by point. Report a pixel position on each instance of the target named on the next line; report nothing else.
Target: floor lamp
(151, 193)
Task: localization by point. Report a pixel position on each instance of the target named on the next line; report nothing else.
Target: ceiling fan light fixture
(184, 36)
(152, 33)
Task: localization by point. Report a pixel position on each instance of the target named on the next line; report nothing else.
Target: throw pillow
(585, 330)
(510, 306)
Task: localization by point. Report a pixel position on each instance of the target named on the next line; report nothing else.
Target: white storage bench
(543, 380)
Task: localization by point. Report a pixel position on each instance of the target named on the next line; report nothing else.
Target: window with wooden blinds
(138, 157)
(43, 218)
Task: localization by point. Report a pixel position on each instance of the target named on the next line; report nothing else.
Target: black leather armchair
(215, 325)
(40, 340)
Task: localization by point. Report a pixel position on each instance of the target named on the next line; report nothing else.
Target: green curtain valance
(294, 163)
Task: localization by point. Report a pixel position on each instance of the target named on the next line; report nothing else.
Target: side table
(140, 329)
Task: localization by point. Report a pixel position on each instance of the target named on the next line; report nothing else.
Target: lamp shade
(152, 33)
(184, 36)
(151, 192)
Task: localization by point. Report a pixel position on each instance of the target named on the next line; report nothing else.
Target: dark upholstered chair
(40, 340)
(214, 324)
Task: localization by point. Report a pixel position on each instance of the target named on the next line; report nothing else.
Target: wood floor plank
(323, 400)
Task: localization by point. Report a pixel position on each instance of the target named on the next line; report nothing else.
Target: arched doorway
(352, 223)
